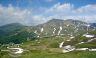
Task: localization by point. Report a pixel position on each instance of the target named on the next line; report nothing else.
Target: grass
(46, 54)
(48, 48)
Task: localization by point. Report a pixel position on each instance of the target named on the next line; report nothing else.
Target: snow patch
(92, 49)
(88, 36)
(81, 42)
(35, 31)
(18, 50)
(61, 45)
(60, 30)
(54, 30)
(42, 29)
(68, 40)
(68, 48)
(72, 37)
(82, 49)
(68, 25)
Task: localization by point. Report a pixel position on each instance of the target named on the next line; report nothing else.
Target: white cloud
(87, 9)
(68, 11)
(12, 14)
(61, 8)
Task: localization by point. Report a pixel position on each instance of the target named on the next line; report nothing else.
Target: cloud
(87, 9)
(61, 8)
(12, 14)
(68, 11)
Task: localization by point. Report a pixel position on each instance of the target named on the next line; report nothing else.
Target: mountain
(10, 28)
(15, 33)
(61, 27)
(18, 33)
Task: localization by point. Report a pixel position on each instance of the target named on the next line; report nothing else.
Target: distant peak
(56, 20)
(13, 24)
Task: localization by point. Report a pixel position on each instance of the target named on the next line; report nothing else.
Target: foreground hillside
(49, 48)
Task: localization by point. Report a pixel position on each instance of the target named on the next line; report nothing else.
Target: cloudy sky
(32, 12)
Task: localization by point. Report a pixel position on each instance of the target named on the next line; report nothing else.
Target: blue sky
(44, 3)
(32, 12)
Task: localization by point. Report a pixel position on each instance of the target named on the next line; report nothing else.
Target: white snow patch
(88, 25)
(61, 45)
(68, 48)
(42, 29)
(72, 37)
(38, 36)
(60, 30)
(35, 31)
(68, 40)
(65, 51)
(81, 42)
(88, 36)
(18, 50)
(90, 40)
(92, 49)
(82, 49)
(54, 30)
(68, 25)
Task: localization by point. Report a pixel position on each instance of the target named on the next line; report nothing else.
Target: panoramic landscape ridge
(62, 35)
(47, 28)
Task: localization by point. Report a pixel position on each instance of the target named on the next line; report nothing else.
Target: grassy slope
(48, 48)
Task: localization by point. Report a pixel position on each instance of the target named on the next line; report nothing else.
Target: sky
(33, 12)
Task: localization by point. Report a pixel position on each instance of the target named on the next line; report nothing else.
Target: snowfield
(17, 50)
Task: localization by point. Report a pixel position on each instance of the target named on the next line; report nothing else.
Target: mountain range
(18, 33)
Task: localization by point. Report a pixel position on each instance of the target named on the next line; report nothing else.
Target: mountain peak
(56, 20)
(12, 24)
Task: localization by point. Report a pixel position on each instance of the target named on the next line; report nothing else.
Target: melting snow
(81, 42)
(42, 29)
(61, 45)
(65, 51)
(38, 36)
(68, 25)
(54, 30)
(35, 31)
(83, 49)
(92, 49)
(18, 50)
(60, 30)
(88, 36)
(88, 25)
(72, 37)
(68, 40)
(68, 48)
